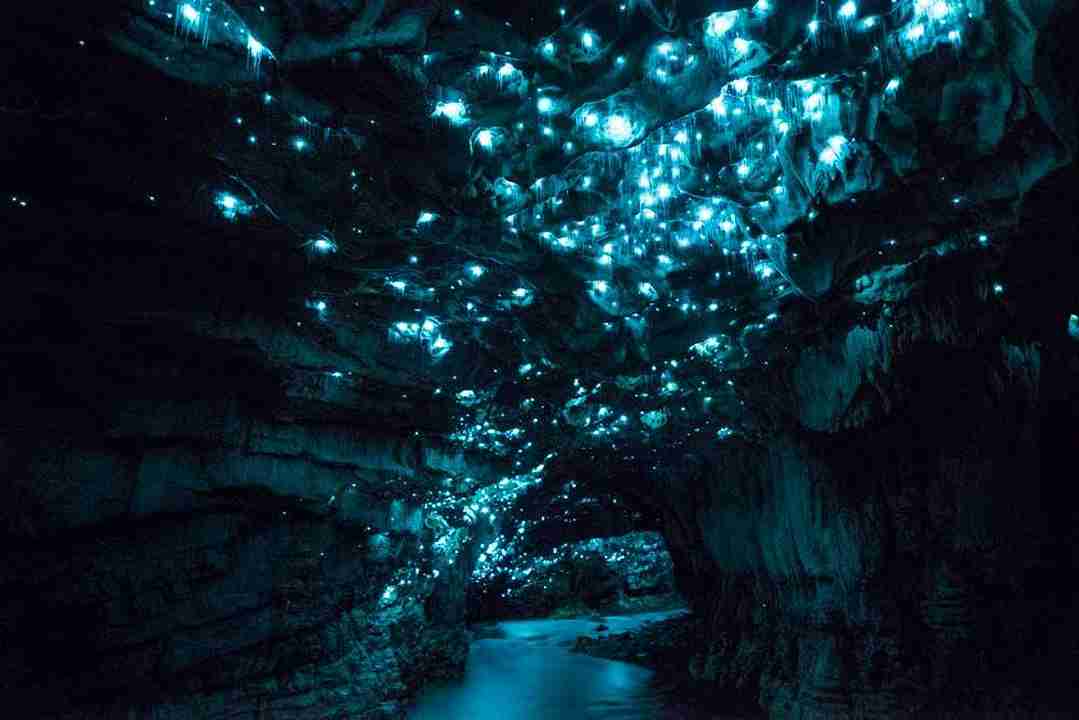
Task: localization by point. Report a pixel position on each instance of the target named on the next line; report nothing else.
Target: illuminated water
(530, 674)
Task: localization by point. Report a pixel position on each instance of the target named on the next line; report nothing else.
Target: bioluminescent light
(545, 105)
(476, 271)
(231, 206)
(455, 111)
(939, 10)
(256, 51)
(762, 7)
(741, 86)
(507, 70)
(485, 139)
(426, 217)
(717, 24)
(915, 32)
(398, 285)
(848, 10)
(830, 155)
(590, 119)
(440, 346)
(892, 86)
(618, 128)
(588, 40)
(741, 45)
(718, 106)
(599, 286)
(299, 143)
(548, 48)
(324, 245)
(813, 26)
(190, 14)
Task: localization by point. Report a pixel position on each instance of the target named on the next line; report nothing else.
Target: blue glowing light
(848, 10)
(618, 129)
(545, 105)
(190, 14)
(718, 24)
(455, 111)
(231, 206)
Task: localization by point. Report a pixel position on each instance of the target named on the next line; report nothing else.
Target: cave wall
(204, 558)
(901, 547)
(202, 516)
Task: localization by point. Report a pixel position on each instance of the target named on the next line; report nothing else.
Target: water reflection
(529, 674)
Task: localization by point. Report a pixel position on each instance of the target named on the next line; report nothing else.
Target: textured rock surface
(894, 546)
(191, 553)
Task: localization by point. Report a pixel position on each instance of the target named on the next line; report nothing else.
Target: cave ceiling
(584, 226)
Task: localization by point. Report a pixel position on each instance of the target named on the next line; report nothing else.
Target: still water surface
(529, 674)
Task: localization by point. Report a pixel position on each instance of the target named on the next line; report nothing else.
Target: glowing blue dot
(189, 13)
(455, 111)
(545, 105)
(588, 40)
(848, 10)
(618, 129)
(718, 24)
(939, 10)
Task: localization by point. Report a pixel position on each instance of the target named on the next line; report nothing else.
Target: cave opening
(462, 360)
